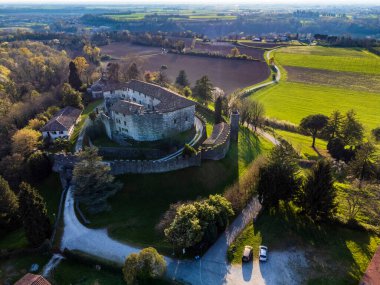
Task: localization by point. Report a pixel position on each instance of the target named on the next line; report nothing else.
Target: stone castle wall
(218, 149)
(153, 166)
(153, 126)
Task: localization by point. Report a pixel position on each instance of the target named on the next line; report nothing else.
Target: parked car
(247, 254)
(263, 253)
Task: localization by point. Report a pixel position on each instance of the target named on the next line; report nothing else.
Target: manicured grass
(294, 101)
(345, 252)
(86, 112)
(138, 207)
(338, 59)
(302, 144)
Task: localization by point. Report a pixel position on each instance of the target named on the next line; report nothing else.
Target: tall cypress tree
(181, 79)
(218, 110)
(74, 78)
(8, 204)
(34, 215)
(318, 195)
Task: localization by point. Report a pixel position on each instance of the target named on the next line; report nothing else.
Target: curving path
(212, 268)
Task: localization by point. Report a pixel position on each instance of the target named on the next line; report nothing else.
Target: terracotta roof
(32, 279)
(372, 274)
(127, 107)
(63, 120)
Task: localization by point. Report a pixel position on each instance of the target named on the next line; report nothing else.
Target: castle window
(134, 99)
(186, 119)
(140, 101)
(125, 123)
(175, 121)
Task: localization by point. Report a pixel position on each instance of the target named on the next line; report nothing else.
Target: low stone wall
(131, 153)
(153, 166)
(218, 144)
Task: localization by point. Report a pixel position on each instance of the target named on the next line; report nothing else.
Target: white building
(62, 124)
(145, 112)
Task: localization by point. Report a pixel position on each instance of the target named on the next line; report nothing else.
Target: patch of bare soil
(352, 80)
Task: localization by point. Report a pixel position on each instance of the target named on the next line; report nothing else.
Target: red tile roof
(32, 279)
(372, 274)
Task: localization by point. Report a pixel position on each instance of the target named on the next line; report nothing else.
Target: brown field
(225, 49)
(263, 45)
(224, 73)
(356, 81)
(120, 50)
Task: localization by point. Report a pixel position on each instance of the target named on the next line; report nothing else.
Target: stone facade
(145, 112)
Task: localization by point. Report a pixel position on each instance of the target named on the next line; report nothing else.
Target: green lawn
(302, 144)
(138, 207)
(294, 101)
(338, 59)
(86, 112)
(347, 251)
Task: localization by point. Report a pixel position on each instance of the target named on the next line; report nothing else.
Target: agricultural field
(337, 59)
(319, 80)
(224, 73)
(137, 208)
(294, 101)
(357, 81)
(224, 48)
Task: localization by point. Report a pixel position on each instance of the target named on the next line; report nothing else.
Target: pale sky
(253, 2)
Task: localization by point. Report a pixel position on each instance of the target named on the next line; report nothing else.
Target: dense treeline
(345, 41)
(255, 23)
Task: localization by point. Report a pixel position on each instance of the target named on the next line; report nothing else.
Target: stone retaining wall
(153, 166)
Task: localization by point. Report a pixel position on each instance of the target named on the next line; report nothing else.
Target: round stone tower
(234, 123)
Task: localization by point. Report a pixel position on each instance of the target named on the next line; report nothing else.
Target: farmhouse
(32, 279)
(144, 112)
(62, 124)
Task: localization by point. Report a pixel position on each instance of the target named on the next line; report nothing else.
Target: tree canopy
(34, 215)
(93, 181)
(145, 265)
(8, 204)
(313, 124)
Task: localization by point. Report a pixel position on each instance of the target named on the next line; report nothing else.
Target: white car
(263, 253)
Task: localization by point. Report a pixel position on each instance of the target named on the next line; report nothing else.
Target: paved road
(260, 86)
(212, 268)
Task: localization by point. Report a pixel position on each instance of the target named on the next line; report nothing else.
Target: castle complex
(143, 111)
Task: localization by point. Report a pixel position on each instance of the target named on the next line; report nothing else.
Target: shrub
(242, 191)
(145, 265)
(376, 133)
(39, 166)
(282, 125)
(188, 150)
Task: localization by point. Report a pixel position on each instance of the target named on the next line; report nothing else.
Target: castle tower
(234, 123)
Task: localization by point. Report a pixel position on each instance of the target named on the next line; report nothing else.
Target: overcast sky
(253, 2)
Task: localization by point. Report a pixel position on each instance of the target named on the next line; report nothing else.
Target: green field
(138, 207)
(294, 101)
(337, 255)
(337, 59)
(302, 144)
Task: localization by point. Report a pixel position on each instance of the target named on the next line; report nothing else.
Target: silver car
(263, 253)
